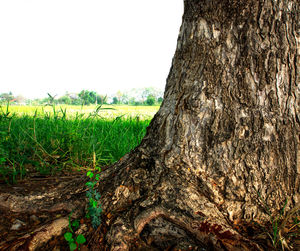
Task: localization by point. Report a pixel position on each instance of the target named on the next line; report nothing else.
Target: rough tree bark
(225, 141)
(226, 138)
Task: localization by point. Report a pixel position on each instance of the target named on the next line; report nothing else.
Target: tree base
(130, 220)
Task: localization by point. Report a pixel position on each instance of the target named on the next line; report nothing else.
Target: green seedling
(279, 234)
(74, 243)
(94, 209)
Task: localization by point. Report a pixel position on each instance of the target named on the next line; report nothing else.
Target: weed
(74, 243)
(94, 209)
(285, 225)
(7, 168)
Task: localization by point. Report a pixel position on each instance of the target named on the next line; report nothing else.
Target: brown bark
(225, 141)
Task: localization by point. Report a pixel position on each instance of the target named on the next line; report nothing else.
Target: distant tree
(28, 101)
(64, 100)
(115, 100)
(136, 103)
(6, 96)
(37, 101)
(84, 96)
(119, 95)
(101, 99)
(145, 93)
(131, 101)
(137, 96)
(92, 97)
(160, 100)
(124, 99)
(87, 97)
(76, 101)
(150, 100)
(156, 93)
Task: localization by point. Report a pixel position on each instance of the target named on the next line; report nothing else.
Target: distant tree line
(141, 96)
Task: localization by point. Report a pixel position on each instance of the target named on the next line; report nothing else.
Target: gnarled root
(172, 213)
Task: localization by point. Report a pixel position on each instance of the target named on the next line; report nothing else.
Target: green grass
(44, 140)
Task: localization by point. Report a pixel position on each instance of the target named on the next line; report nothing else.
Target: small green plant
(4, 170)
(280, 233)
(74, 243)
(5, 114)
(8, 172)
(276, 227)
(94, 209)
(274, 221)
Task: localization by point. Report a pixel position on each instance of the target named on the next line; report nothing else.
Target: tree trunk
(224, 146)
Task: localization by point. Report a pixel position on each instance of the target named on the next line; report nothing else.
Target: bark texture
(225, 142)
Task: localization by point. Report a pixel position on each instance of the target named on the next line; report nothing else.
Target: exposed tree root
(162, 228)
(55, 204)
(38, 237)
(144, 215)
(139, 213)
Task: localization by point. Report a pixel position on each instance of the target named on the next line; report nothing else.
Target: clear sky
(101, 45)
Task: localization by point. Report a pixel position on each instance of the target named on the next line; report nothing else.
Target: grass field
(106, 111)
(45, 140)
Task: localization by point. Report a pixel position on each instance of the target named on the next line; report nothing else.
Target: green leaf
(80, 239)
(75, 223)
(68, 236)
(91, 201)
(73, 246)
(97, 196)
(89, 184)
(90, 174)
(94, 203)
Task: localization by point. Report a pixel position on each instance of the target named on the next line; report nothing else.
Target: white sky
(102, 45)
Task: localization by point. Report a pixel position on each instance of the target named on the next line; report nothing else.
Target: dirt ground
(35, 215)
